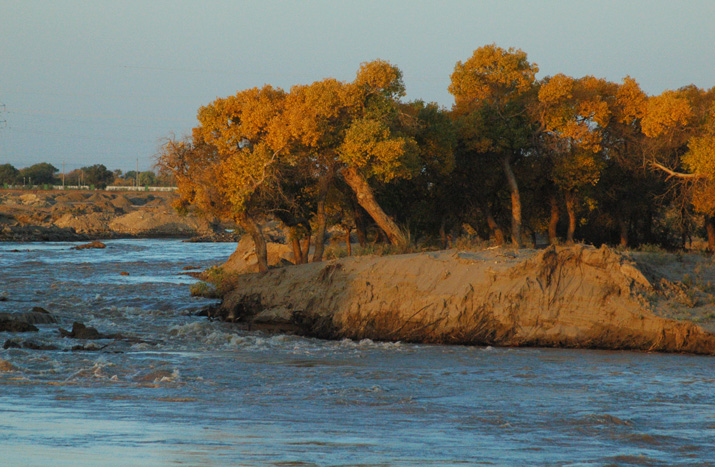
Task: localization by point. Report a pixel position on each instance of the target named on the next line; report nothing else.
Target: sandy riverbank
(558, 297)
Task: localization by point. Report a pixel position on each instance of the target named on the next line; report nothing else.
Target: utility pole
(3, 123)
(136, 180)
(63, 175)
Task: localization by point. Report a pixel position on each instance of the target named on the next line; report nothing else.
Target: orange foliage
(493, 75)
(664, 113)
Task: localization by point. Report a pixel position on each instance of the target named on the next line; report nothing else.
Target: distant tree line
(96, 175)
(563, 158)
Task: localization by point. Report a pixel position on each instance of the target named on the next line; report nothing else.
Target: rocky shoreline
(577, 297)
(27, 216)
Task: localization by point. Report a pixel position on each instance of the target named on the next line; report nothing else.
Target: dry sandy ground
(75, 215)
(563, 297)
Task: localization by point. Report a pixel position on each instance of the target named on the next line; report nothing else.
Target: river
(179, 389)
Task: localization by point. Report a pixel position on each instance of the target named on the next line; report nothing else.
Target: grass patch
(203, 289)
(215, 284)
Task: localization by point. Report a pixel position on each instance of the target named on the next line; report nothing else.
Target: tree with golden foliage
(573, 114)
(352, 130)
(681, 128)
(626, 185)
(231, 166)
(492, 91)
(261, 150)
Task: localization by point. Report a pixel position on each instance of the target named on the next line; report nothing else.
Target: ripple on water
(178, 388)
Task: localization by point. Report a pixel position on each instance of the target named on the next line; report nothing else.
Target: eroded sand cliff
(564, 297)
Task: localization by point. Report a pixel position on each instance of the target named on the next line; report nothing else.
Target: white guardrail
(117, 188)
(141, 188)
(88, 187)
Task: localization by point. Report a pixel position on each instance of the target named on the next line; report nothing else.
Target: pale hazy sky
(104, 81)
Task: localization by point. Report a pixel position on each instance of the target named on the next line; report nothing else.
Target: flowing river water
(176, 388)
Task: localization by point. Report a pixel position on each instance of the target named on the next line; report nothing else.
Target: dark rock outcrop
(80, 331)
(30, 345)
(95, 244)
(13, 325)
(33, 317)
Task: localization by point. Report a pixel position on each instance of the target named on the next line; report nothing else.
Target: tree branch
(672, 173)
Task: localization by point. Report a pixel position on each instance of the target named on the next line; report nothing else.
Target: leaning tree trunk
(571, 209)
(320, 217)
(710, 228)
(254, 230)
(297, 252)
(515, 202)
(367, 200)
(554, 220)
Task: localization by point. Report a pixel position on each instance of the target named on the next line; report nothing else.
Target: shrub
(203, 289)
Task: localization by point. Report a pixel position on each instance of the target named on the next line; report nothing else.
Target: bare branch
(672, 173)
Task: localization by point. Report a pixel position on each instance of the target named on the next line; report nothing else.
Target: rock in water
(12, 325)
(33, 317)
(16, 343)
(94, 244)
(80, 331)
(6, 366)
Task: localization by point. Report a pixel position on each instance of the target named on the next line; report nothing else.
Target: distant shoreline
(79, 215)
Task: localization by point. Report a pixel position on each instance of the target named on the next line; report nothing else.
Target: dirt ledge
(579, 297)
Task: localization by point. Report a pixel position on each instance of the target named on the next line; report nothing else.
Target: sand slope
(58, 215)
(564, 297)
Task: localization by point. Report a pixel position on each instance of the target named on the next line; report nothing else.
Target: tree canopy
(513, 151)
(8, 174)
(38, 174)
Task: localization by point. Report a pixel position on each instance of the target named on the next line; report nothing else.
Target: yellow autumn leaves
(289, 152)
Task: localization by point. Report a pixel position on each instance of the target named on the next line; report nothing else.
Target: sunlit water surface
(180, 389)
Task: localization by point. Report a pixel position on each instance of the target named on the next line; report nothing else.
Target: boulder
(33, 317)
(13, 325)
(80, 331)
(95, 244)
(30, 345)
(6, 366)
(244, 259)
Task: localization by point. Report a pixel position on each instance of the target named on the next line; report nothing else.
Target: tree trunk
(297, 252)
(366, 199)
(254, 230)
(515, 203)
(443, 235)
(360, 226)
(306, 249)
(320, 217)
(710, 228)
(571, 209)
(623, 228)
(648, 228)
(497, 231)
(347, 240)
(554, 221)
